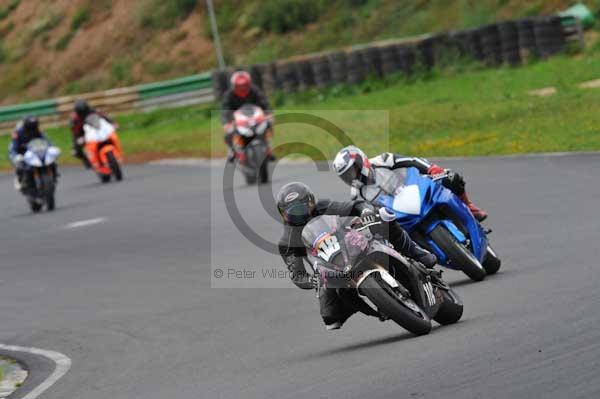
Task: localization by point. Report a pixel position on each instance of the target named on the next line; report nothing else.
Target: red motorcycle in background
(253, 132)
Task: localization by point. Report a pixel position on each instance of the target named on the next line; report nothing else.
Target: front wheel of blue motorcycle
(458, 253)
(491, 262)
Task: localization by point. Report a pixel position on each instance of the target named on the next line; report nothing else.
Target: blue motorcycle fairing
(431, 195)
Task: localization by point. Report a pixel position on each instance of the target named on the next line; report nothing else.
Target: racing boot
(478, 213)
(420, 255)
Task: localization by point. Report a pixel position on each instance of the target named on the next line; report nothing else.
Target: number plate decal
(327, 246)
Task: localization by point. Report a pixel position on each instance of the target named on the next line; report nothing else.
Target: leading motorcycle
(40, 174)
(349, 257)
(251, 139)
(435, 218)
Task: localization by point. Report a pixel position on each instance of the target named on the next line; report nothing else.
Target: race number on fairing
(328, 247)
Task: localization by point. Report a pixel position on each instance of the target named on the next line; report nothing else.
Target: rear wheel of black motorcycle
(491, 263)
(449, 312)
(114, 166)
(388, 303)
(459, 255)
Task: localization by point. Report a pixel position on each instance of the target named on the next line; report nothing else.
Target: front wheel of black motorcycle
(459, 254)
(388, 303)
(450, 310)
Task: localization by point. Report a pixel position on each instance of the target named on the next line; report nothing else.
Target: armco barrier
(189, 90)
(509, 42)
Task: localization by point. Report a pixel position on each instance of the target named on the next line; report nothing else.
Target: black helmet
(31, 126)
(296, 203)
(82, 108)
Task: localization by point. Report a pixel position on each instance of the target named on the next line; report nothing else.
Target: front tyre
(388, 303)
(264, 172)
(458, 253)
(451, 309)
(114, 166)
(491, 262)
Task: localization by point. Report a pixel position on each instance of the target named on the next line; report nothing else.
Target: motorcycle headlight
(32, 160)
(244, 131)
(51, 155)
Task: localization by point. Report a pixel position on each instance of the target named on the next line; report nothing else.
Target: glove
(435, 170)
(18, 161)
(229, 128)
(386, 216)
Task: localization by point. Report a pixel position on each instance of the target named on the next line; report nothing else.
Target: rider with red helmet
(242, 92)
(353, 167)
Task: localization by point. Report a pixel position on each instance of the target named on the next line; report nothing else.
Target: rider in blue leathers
(353, 167)
(25, 131)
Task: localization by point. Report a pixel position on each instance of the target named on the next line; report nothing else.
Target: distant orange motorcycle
(103, 147)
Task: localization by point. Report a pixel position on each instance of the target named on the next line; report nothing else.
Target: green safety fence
(39, 108)
(112, 97)
(176, 86)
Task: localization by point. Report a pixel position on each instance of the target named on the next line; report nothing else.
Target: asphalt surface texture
(130, 297)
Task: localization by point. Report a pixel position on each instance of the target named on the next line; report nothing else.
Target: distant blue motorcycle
(435, 218)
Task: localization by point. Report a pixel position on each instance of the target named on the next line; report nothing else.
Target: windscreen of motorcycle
(406, 198)
(334, 241)
(36, 152)
(97, 129)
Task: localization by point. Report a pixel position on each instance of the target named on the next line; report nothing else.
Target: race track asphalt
(129, 299)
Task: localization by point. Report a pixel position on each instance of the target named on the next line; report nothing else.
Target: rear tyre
(104, 178)
(113, 164)
(49, 189)
(459, 254)
(50, 203)
(388, 303)
(450, 311)
(250, 179)
(491, 262)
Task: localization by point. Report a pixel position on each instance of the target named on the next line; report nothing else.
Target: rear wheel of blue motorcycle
(449, 312)
(459, 254)
(388, 303)
(491, 263)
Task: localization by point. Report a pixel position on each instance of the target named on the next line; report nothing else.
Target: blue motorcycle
(435, 218)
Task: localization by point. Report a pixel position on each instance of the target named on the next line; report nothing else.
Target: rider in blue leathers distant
(25, 131)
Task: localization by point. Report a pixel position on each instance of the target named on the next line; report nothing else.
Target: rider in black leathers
(297, 205)
(242, 92)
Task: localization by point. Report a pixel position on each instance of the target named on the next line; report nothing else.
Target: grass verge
(464, 112)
